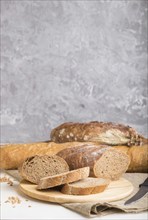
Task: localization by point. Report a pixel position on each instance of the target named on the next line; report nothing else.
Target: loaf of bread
(102, 132)
(86, 186)
(60, 179)
(104, 161)
(13, 155)
(36, 167)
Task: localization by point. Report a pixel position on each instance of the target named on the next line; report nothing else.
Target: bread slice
(112, 164)
(36, 167)
(67, 177)
(86, 186)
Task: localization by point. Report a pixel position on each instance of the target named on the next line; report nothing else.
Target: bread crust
(113, 162)
(101, 132)
(82, 156)
(68, 177)
(13, 155)
(138, 157)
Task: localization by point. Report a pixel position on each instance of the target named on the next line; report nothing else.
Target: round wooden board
(115, 191)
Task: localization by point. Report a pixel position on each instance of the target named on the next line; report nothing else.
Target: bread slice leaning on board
(104, 161)
(13, 155)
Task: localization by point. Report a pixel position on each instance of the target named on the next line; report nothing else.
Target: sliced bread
(104, 161)
(86, 186)
(111, 165)
(67, 177)
(36, 167)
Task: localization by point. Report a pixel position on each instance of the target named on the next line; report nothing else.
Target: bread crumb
(13, 200)
(6, 201)
(7, 180)
(29, 206)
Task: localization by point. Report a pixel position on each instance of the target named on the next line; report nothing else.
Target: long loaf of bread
(13, 155)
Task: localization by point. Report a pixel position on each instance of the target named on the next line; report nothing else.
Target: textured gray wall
(72, 61)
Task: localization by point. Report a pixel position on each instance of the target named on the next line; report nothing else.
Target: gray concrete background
(72, 61)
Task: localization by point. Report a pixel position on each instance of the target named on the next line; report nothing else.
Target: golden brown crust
(138, 156)
(101, 132)
(13, 155)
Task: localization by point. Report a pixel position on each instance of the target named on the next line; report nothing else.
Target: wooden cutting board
(115, 191)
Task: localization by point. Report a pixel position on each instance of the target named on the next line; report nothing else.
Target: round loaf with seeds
(101, 132)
